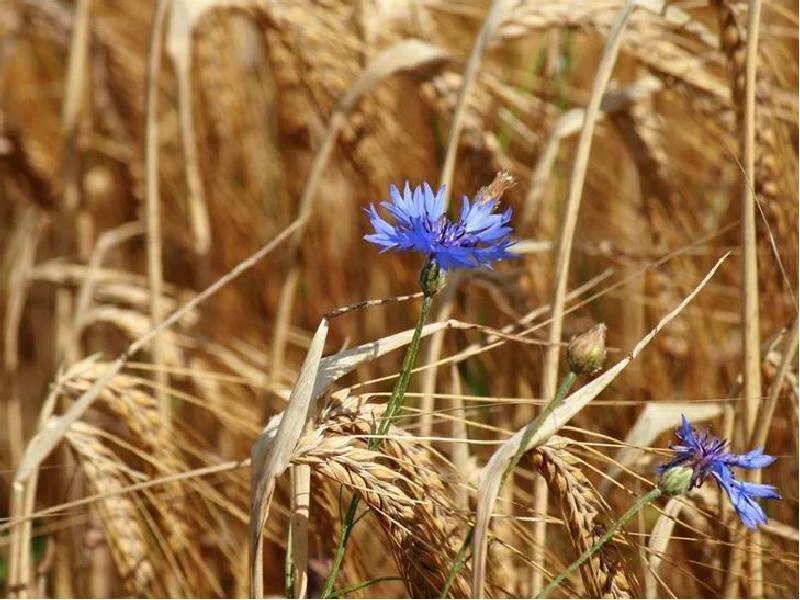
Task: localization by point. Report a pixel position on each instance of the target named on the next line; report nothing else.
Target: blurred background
(205, 128)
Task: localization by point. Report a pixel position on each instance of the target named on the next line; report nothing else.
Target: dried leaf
(270, 458)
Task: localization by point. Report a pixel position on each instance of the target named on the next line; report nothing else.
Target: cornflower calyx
(477, 238)
(431, 278)
(676, 481)
(707, 456)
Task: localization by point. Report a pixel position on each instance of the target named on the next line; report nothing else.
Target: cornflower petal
(741, 495)
(755, 459)
(418, 222)
(686, 433)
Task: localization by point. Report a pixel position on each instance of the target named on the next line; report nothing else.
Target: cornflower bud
(587, 351)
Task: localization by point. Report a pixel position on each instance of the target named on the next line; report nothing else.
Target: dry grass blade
(183, 18)
(568, 124)
(659, 538)
(768, 411)
(75, 86)
(401, 56)
(24, 246)
(299, 522)
(338, 365)
(751, 336)
(105, 243)
(270, 457)
(153, 212)
(23, 500)
(489, 486)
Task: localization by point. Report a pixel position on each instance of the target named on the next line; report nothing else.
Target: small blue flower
(707, 456)
(476, 239)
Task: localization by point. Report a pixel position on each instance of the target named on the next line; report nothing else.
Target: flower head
(477, 238)
(707, 456)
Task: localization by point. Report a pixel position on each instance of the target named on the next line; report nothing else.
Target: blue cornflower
(707, 456)
(476, 239)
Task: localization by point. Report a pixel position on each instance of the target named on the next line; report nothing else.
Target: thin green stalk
(398, 393)
(461, 558)
(651, 496)
(362, 585)
(561, 393)
(347, 527)
(393, 407)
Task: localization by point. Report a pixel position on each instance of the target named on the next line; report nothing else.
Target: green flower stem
(461, 558)
(362, 585)
(530, 430)
(651, 496)
(344, 535)
(395, 403)
(561, 393)
(393, 407)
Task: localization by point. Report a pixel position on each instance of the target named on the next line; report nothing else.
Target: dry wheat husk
(127, 535)
(410, 487)
(403, 484)
(606, 574)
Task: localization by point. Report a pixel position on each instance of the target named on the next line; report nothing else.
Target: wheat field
(192, 377)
